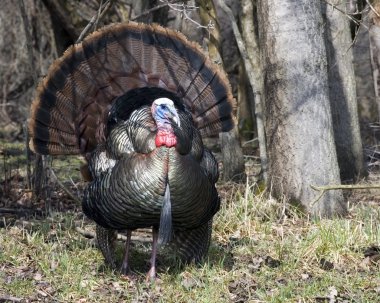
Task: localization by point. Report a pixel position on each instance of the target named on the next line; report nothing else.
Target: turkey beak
(174, 117)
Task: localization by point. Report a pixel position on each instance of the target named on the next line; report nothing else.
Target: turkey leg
(151, 275)
(125, 265)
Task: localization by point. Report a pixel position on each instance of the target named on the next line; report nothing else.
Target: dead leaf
(53, 265)
(272, 263)
(325, 264)
(42, 293)
(37, 277)
(84, 283)
(117, 286)
(188, 281)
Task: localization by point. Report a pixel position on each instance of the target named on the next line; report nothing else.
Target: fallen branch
(91, 235)
(341, 186)
(6, 298)
(20, 211)
(86, 233)
(324, 189)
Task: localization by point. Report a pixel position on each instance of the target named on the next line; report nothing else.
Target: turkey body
(128, 191)
(136, 100)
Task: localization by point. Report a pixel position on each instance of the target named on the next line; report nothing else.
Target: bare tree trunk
(374, 35)
(342, 92)
(365, 91)
(299, 126)
(251, 39)
(245, 94)
(249, 34)
(39, 48)
(232, 154)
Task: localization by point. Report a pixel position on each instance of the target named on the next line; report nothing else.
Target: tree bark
(299, 125)
(342, 92)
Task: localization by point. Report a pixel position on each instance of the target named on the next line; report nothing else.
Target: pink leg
(151, 276)
(125, 265)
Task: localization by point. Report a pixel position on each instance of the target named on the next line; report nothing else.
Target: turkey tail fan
(69, 114)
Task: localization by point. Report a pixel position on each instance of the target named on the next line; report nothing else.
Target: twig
(67, 191)
(28, 157)
(6, 298)
(255, 87)
(356, 21)
(149, 11)
(94, 20)
(184, 9)
(372, 8)
(98, 15)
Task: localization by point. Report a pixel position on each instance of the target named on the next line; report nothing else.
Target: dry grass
(262, 251)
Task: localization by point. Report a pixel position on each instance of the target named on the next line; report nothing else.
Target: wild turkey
(136, 101)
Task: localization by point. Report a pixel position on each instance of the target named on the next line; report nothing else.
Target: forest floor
(263, 250)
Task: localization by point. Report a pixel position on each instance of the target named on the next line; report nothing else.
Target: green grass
(261, 252)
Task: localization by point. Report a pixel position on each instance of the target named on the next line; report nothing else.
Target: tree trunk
(374, 35)
(18, 70)
(299, 126)
(366, 98)
(246, 115)
(342, 92)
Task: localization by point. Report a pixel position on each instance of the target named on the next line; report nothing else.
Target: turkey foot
(124, 270)
(151, 275)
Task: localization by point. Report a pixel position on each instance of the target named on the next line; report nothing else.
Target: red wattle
(167, 139)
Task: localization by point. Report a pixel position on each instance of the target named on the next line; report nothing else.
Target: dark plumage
(136, 100)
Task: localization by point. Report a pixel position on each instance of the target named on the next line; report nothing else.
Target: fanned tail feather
(70, 112)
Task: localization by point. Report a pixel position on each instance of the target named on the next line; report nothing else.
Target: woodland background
(265, 248)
